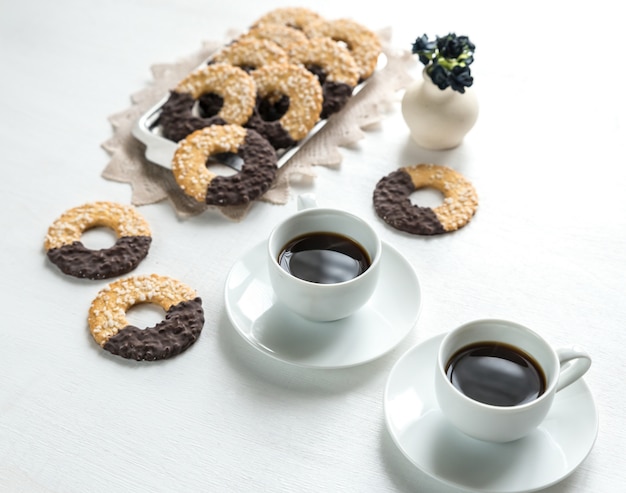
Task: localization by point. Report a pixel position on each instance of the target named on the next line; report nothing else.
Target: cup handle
(306, 201)
(574, 364)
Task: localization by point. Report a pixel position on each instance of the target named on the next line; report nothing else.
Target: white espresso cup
(323, 302)
(495, 396)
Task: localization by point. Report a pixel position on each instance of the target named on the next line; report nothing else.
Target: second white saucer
(374, 330)
(430, 442)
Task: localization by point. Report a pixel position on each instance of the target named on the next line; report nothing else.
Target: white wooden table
(547, 248)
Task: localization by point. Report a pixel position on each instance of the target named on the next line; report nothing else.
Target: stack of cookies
(260, 95)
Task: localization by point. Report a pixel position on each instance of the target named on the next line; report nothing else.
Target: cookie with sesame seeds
(250, 53)
(284, 36)
(181, 327)
(64, 247)
(364, 44)
(393, 205)
(289, 103)
(224, 93)
(295, 17)
(257, 174)
(333, 65)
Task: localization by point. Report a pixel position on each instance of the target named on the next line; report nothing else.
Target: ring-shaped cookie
(334, 66)
(283, 35)
(295, 17)
(363, 43)
(196, 180)
(304, 94)
(230, 84)
(250, 53)
(393, 205)
(184, 318)
(64, 247)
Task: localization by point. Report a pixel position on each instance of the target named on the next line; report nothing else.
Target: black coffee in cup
(324, 258)
(496, 373)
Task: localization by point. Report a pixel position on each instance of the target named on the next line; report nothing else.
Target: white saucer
(374, 330)
(419, 429)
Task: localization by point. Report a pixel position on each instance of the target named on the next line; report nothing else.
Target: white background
(547, 248)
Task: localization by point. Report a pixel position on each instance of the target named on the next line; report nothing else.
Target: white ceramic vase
(438, 119)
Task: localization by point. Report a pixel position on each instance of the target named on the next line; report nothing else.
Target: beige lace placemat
(152, 183)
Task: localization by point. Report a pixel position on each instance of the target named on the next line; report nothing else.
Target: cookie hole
(98, 238)
(247, 68)
(208, 105)
(273, 106)
(427, 197)
(318, 71)
(224, 163)
(145, 315)
(343, 43)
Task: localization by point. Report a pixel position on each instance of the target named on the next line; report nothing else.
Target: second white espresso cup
(501, 423)
(317, 301)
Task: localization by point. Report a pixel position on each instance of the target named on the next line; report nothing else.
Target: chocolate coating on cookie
(265, 121)
(180, 329)
(196, 180)
(183, 322)
(177, 119)
(225, 93)
(64, 247)
(79, 261)
(393, 205)
(336, 95)
(257, 174)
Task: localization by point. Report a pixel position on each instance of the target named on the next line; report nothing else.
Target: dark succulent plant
(447, 60)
